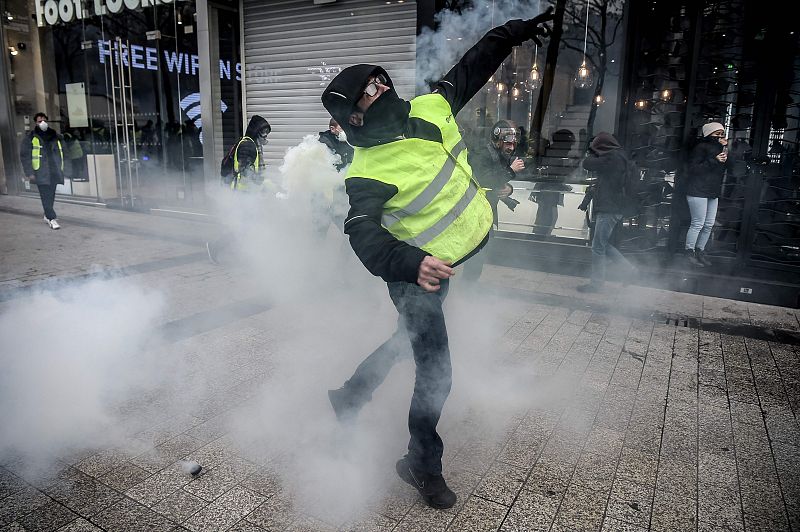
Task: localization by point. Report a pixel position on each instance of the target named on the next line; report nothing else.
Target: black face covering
(384, 121)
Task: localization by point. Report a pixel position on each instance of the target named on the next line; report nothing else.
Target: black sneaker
(433, 488)
(691, 258)
(702, 257)
(345, 406)
(589, 288)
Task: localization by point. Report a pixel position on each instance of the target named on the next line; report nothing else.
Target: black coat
(381, 253)
(49, 172)
(705, 172)
(491, 169)
(342, 149)
(609, 168)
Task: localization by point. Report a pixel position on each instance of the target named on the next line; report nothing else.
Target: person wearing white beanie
(707, 163)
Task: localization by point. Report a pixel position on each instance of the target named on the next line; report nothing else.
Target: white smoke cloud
(71, 360)
(438, 51)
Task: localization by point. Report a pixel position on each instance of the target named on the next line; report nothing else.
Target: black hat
(344, 91)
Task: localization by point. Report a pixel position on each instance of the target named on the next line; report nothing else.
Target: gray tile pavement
(624, 422)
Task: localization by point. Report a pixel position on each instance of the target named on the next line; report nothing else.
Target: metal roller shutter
(292, 49)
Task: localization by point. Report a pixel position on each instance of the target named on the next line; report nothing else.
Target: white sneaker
(54, 224)
(46, 220)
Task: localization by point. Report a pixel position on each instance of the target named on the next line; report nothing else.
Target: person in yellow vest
(415, 213)
(242, 166)
(241, 171)
(42, 157)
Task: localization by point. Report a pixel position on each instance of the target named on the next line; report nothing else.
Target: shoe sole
(405, 475)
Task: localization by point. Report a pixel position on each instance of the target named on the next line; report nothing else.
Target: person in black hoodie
(707, 163)
(247, 153)
(244, 172)
(415, 213)
(336, 140)
(42, 157)
(608, 161)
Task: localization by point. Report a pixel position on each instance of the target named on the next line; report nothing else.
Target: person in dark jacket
(247, 154)
(494, 165)
(707, 163)
(608, 161)
(42, 157)
(244, 173)
(415, 213)
(336, 140)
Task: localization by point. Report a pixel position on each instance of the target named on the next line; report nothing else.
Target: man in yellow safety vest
(415, 213)
(42, 156)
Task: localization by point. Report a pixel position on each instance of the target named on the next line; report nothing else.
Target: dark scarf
(386, 120)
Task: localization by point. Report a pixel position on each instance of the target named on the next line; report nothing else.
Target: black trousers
(420, 330)
(47, 193)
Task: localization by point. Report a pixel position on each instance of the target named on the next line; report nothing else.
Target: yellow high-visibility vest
(438, 207)
(36, 153)
(236, 182)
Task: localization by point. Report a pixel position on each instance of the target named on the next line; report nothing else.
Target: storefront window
(557, 110)
(123, 89)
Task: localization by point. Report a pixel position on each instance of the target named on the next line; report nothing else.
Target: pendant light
(534, 76)
(584, 78)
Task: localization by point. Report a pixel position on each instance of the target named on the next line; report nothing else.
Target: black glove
(510, 202)
(536, 26)
(585, 203)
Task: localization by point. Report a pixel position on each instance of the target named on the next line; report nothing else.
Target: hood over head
(256, 126)
(604, 142)
(385, 119)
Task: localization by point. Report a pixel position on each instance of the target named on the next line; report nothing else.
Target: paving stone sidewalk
(655, 423)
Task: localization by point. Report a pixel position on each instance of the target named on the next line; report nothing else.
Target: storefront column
(9, 162)
(206, 35)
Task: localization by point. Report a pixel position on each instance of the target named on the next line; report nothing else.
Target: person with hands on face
(415, 213)
(707, 163)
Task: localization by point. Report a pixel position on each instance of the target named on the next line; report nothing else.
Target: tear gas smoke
(72, 360)
(439, 50)
(100, 375)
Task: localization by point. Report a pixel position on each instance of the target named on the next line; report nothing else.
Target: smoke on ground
(84, 369)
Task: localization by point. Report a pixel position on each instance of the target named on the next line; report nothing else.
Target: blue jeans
(602, 249)
(704, 212)
(420, 330)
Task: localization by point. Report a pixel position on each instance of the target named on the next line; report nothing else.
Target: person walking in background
(240, 170)
(707, 163)
(241, 167)
(608, 161)
(415, 213)
(42, 157)
(493, 166)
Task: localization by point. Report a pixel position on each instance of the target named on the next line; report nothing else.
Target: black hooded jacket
(608, 161)
(705, 171)
(49, 172)
(249, 150)
(388, 120)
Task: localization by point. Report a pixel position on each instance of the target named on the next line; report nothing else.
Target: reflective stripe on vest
(36, 153)
(438, 207)
(236, 182)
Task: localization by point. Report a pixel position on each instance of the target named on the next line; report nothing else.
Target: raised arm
(475, 68)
